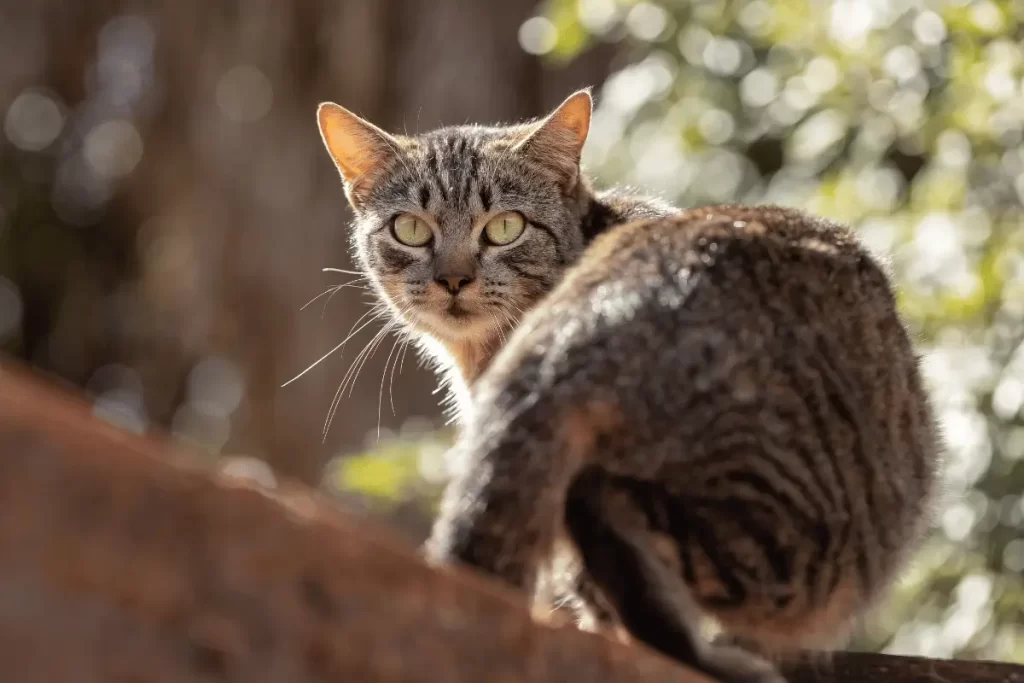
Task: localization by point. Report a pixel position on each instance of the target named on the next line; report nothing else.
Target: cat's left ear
(557, 141)
(360, 150)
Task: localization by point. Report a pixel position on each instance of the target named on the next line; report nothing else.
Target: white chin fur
(467, 328)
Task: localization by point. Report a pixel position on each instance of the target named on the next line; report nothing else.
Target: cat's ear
(360, 149)
(557, 141)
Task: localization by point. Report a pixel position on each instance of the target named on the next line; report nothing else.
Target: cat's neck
(459, 365)
(470, 359)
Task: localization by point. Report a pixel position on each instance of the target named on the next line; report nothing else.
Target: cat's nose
(454, 283)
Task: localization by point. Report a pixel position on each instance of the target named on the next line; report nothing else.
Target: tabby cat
(717, 414)
(463, 229)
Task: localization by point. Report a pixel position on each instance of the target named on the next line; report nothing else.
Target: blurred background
(167, 209)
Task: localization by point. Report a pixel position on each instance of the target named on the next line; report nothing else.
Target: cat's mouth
(451, 318)
(454, 318)
(457, 310)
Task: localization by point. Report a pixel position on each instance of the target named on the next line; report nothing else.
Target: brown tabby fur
(717, 414)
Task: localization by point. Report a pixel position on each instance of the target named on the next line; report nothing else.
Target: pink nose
(453, 283)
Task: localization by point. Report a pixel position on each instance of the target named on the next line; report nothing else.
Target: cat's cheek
(392, 289)
(392, 260)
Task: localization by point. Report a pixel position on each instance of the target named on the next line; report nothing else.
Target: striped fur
(456, 179)
(720, 414)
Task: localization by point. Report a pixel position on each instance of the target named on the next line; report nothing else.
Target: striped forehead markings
(453, 163)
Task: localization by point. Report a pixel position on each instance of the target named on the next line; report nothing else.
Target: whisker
(355, 365)
(510, 324)
(383, 376)
(515, 319)
(343, 271)
(326, 291)
(323, 311)
(341, 387)
(340, 344)
(352, 374)
(371, 349)
(404, 349)
(332, 411)
(332, 290)
(400, 359)
(497, 327)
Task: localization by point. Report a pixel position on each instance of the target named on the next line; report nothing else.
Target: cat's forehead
(456, 143)
(459, 168)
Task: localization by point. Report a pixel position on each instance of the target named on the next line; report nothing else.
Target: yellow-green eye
(412, 231)
(505, 228)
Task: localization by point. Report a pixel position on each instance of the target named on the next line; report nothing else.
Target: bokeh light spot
(646, 21)
(33, 121)
(215, 386)
(113, 149)
(537, 36)
(244, 94)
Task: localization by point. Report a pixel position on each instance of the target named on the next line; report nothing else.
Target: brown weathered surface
(849, 667)
(119, 564)
(120, 561)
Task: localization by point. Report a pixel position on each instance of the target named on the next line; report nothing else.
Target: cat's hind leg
(651, 600)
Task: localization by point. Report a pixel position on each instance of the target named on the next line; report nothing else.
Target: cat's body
(722, 415)
(715, 417)
(458, 294)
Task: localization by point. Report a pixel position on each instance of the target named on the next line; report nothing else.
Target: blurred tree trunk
(211, 244)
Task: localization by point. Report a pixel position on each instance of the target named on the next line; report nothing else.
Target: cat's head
(462, 229)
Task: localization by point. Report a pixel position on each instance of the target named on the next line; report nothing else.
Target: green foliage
(386, 473)
(396, 469)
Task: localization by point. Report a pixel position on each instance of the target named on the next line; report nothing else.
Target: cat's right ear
(359, 149)
(556, 142)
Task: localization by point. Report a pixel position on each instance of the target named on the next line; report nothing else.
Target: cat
(717, 414)
(462, 230)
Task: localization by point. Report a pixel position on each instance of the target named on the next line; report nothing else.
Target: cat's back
(703, 331)
(728, 279)
(762, 258)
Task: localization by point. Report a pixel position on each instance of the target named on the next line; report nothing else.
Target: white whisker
(497, 327)
(332, 290)
(323, 311)
(326, 291)
(340, 344)
(351, 374)
(370, 350)
(343, 271)
(404, 349)
(383, 376)
(400, 359)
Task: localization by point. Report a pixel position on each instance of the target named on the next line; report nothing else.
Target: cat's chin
(463, 343)
(462, 327)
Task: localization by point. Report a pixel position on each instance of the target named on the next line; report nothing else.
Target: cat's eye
(505, 228)
(412, 231)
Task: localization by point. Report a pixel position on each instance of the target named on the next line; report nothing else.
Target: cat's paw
(729, 664)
